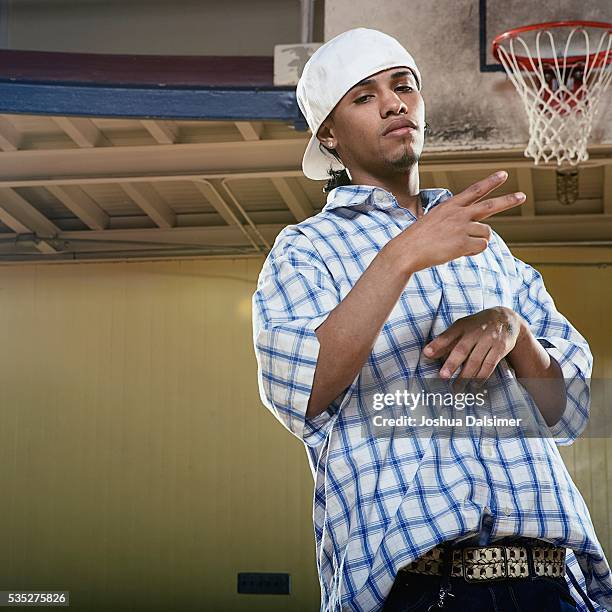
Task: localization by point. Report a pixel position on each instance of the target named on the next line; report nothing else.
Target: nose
(392, 102)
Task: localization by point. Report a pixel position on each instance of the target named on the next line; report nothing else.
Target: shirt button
(379, 196)
(507, 511)
(488, 451)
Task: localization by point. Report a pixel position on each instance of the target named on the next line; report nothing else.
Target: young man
(390, 284)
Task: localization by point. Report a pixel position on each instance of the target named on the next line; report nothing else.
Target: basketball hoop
(561, 70)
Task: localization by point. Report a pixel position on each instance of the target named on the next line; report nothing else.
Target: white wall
(464, 106)
(184, 27)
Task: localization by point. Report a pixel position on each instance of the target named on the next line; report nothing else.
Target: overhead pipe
(307, 21)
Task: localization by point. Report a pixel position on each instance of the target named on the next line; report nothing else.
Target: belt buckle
(549, 561)
(476, 559)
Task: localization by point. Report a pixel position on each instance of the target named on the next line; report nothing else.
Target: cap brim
(316, 164)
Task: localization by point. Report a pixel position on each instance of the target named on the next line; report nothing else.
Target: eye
(361, 99)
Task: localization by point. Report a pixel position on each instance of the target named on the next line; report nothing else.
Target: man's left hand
(479, 342)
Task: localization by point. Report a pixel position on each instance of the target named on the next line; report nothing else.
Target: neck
(403, 185)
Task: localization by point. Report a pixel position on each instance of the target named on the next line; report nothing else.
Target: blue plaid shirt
(381, 502)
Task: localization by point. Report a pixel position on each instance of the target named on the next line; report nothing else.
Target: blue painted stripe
(235, 103)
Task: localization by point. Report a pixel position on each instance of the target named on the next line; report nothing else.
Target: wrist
(395, 256)
(524, 331)
(523, 341)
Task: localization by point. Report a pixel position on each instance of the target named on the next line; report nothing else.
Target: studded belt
(480, 563)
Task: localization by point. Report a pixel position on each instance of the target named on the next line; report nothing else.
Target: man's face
(356, 125)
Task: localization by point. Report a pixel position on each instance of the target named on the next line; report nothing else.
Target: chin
(407, 159)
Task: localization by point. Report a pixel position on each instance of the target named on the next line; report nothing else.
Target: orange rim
(595, 59)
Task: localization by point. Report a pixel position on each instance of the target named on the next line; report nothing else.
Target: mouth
(399, 128)
(400, 131)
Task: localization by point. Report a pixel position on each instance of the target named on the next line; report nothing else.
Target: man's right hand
(452, 228)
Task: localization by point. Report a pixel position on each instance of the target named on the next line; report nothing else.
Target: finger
(457, 356)
(486, 208)
(473, 246)
(474, 362)
(489, 363)
(479, 230)
(442, 343)
(480, 189)
(446, 351)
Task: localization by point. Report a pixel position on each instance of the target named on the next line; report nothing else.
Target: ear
(326, 136)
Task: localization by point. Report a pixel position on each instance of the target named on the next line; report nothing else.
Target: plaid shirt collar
(376, 197)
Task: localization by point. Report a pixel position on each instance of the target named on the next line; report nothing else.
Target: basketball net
(561, 78)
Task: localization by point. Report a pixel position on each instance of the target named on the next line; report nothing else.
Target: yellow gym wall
(140, 470)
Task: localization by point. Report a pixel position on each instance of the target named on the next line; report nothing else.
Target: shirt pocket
(474, 283)
(462, 287)
(496, 285)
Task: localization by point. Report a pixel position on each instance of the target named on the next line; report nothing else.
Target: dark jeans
(413, 592)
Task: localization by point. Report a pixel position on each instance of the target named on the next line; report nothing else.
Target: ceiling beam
(30, 217)
(221, 159)
(164, 132)
(18, 214)
(151, 203)
(228, 190)
(190, 236)
(211, 191)
(10, 138)
(13, 222)
(44, 247)
(250, 130)
(147, 178)
(82, 131)
(83, 206)
(294, 197)
(540, 230)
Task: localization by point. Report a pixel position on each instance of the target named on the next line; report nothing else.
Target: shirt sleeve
(563, 343)
(295, 294)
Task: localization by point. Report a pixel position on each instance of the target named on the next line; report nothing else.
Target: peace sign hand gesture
(453, 229)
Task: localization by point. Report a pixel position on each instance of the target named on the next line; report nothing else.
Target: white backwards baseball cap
(330, 72)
